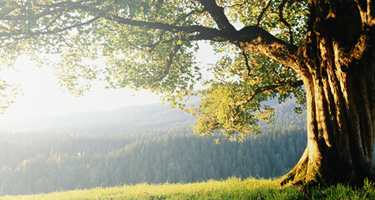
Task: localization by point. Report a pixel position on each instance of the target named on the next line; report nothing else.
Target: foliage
(152, 44)
(8, 94)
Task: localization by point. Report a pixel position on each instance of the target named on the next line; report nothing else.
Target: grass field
(231, 188)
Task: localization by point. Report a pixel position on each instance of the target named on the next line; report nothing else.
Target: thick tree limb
(257, 40)
(357, 52)
(251, 39)
(163, 26)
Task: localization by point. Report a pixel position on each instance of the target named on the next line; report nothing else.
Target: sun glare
(42, 97)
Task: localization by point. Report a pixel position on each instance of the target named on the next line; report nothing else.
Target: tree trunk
(340, 120)
(340, 117)
(340, 96)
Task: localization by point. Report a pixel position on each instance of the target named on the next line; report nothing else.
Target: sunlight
(42, 97)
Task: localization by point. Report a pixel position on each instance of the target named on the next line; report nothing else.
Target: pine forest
(149, 144)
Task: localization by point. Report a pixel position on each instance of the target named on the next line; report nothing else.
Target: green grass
(231, 188)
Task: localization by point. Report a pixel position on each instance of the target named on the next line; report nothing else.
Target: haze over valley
(153, 144)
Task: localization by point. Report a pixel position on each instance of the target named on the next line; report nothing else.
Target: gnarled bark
(340, 86)
(337, 66)
(336, 63)
(340, 128)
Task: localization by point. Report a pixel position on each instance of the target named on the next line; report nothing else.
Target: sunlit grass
(232, 188)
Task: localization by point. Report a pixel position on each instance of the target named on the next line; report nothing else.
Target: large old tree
(320, 52)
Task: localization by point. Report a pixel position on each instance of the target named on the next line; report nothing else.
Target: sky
(42, 97)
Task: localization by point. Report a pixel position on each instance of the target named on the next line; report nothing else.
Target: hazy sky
(43, 97)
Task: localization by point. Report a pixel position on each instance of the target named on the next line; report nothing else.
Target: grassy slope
(231, 188)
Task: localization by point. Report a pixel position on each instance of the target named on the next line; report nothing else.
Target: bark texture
(340, 115)
(338, 75)
(337, 66)
(336, 63)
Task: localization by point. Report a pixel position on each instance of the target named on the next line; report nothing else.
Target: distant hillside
(132, 118)
(152, 144)
(115, 121)
(40, 165)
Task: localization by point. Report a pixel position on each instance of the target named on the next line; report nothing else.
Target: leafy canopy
(152, 45)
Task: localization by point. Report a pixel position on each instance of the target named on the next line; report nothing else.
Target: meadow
(232, 188)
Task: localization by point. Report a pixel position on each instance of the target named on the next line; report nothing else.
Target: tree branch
(250, 39)
(257, 40)
(28, 16)
(163, 26)
(263, 11)
(358, 50)
(183, 17)
(282, 19)
(49, 9)
(217, 14)
(267, 88)
(169, 63)
(248, 68)
(55, 31)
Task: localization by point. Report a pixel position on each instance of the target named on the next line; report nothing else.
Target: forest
(149, 144)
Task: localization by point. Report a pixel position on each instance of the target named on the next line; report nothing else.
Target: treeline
(172, 155)
(132, 145)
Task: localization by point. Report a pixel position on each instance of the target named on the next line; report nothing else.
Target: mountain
(130, 119)
(152, 144)
(115, 121)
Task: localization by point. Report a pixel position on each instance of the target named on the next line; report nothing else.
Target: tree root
(297, 175)
(307, 174)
